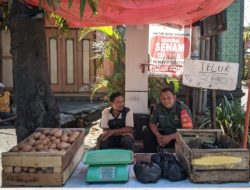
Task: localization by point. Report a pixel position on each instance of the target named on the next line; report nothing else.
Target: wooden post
(213, 92)
(203, 56)
(194, 105)
(195, 53)
(246, 125)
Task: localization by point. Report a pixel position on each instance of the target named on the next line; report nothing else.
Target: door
(70, 65)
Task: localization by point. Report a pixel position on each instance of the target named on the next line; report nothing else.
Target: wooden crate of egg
(45, 158)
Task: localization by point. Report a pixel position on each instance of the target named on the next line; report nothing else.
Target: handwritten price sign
(210, 74)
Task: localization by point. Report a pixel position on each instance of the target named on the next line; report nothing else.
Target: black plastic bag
(170, 167)
(147, 172)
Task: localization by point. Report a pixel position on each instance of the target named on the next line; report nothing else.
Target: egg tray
(52, 168)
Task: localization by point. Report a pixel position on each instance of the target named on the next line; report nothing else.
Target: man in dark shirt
(168, 116)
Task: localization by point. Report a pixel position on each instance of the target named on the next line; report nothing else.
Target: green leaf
(93, 6)
(61, 23)
(82, 6)
(70, 3)
(175, 83)
(100, 84)
(111, 47)
(107, 30)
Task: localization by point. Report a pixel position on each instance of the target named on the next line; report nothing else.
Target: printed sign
(168, 48)
(210, 74)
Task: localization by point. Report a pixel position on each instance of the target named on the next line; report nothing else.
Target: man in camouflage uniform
(168, 116)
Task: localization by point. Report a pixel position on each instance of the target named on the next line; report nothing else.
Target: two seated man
(169, 115)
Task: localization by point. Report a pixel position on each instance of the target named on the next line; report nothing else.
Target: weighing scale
(108, 165)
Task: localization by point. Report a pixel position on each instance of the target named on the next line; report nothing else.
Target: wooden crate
(212, 165)
(62, 164)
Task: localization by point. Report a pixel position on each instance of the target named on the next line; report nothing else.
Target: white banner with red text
(168, 48)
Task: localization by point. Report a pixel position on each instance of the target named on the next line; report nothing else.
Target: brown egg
(25, 169)
(31, 139)
(17, 169)
(44, 141)
(53, 146)
(46, 147)
(15, 149)
(70, 133)
(42, 136)
(52, 138)
(36, 135)
(57, 141)
(58, 133)
(53, 131)
(46, 131)
(64, 145)
(32, 170)
(65, 138)
(76, 133)
(21, 145)
(39, 147)
(71, 139)
(27, 148)
(58, 146)
(30, 143)
(38, 142)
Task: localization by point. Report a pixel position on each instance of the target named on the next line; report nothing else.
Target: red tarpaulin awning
(131, 12)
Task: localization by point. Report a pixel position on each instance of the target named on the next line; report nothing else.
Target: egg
(53, 131)
(42, 136)
(17, 169)
(36, 135)
(57, 141)
(65, 138)
(46, 131)
(53, 146)
(15, 149)
(58, 133)
(32, 170)
(39, 147)
(71, 139)
(27, 148)
(25, 169)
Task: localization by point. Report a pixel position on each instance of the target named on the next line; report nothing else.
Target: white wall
(136, 82)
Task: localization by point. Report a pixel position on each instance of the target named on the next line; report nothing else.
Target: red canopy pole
(247, 117)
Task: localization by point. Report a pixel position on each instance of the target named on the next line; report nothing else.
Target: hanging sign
(168, 47)
(210, 74)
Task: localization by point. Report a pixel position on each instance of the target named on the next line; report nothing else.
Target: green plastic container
(107, 173)
(108, 165)
(108, 156)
